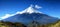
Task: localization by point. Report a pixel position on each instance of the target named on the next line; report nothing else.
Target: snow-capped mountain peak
(30, 10)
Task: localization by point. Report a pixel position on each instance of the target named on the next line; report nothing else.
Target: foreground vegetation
(10, 24)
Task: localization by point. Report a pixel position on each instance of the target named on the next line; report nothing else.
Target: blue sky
(49, 7)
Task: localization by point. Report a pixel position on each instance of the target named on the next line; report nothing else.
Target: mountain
(31, 14)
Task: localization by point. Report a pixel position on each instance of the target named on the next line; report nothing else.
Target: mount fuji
(28, 15)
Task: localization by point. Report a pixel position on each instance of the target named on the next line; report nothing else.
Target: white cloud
(6, 16)
(18, 12)
(36, 6)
